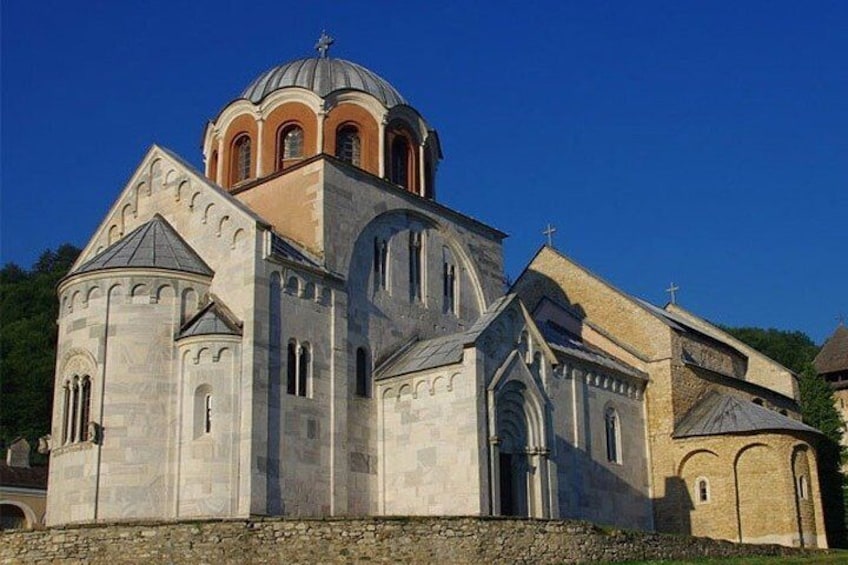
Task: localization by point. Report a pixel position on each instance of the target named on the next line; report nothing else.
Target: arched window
(207, 414)
(65, 412)
(303, 370)
(241, 159)
(348, 144)
(803, 490)
(448, 282)
(74, 408)
(416, 292)
(291, 368)
(203, 407)
(85, 408)
(362, 372)
(381, 264)
(290, 144)
(399, 173)
(613, 435)
(702, 490)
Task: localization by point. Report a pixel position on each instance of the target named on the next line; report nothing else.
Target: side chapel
(302, 329)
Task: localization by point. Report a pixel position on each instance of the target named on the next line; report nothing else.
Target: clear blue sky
(704, 143)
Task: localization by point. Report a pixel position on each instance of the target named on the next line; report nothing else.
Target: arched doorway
(12, 517)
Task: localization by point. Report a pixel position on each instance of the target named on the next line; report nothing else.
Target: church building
(302, 329)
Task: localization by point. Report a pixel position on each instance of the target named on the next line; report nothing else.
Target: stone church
(302, 329)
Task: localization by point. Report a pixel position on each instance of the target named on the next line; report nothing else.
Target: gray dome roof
(323, 76)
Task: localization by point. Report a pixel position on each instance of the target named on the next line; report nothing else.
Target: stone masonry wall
(405, 540)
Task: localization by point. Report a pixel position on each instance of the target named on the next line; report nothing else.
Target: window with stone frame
(299, 369)
(241, 159)
(381, 264)
(702, 490)
(290, 143)
(449, 282)
(416, 277)
(348, 144)
(612, 427)
(76, 409)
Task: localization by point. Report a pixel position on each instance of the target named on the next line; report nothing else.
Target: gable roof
(212, 319)
(833, 356)
(442, 350)
(563, 342)
(154, 244)
(722, 414)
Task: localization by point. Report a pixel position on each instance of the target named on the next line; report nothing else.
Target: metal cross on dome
(323, 44)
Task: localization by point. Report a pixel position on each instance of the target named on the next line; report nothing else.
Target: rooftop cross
(550, 231)
(323, 44)
(841, 319)
(672, 289)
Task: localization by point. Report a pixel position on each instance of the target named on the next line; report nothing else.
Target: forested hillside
(28, 309)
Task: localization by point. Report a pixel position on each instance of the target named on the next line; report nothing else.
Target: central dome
(323, 75)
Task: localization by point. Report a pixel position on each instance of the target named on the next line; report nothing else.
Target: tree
(28, 311)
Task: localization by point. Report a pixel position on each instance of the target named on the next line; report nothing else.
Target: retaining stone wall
(387, 540)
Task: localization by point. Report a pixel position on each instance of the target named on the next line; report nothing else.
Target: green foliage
(28, 312)
(793, 350)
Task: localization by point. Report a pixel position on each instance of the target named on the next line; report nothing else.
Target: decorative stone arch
(364, 243)
(756, 470)
(519, 448)
(29, 516)
(804, 470)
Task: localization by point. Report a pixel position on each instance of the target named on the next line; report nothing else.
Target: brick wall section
(406, 540)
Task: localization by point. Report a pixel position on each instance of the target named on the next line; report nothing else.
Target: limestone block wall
(761, 370)
(591, 486)
(758, 489)
(429, 437)
(295, 434)
(553, 275)
(129, 470)
(402, 540)
(209, 417)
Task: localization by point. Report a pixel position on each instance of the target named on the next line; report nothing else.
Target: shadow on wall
(590, 491)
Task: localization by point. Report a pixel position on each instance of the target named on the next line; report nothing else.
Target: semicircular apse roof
(154, 244)
(323, 75)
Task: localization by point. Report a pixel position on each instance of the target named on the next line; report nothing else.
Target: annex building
(302, 329)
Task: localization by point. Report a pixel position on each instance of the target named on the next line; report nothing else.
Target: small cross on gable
(549, 232)
(672, 289)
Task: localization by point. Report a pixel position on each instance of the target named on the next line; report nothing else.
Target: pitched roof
(562, 342)
(154, 244)
(212, 319)
(23, 477)
(721, 414)
(833, 356)
(442, 350)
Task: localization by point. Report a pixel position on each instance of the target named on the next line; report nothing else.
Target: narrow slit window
(381, 267)
(448, 282)
(400, 161)
(415, 277)
(291, 368)
(85, 408)
(66, 412)
(613, 436)
(303, 371)
(703, 491)
(207, 414)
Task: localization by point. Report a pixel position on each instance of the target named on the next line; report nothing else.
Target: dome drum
(357, 117)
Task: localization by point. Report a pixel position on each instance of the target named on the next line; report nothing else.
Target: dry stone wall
(387, 540)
